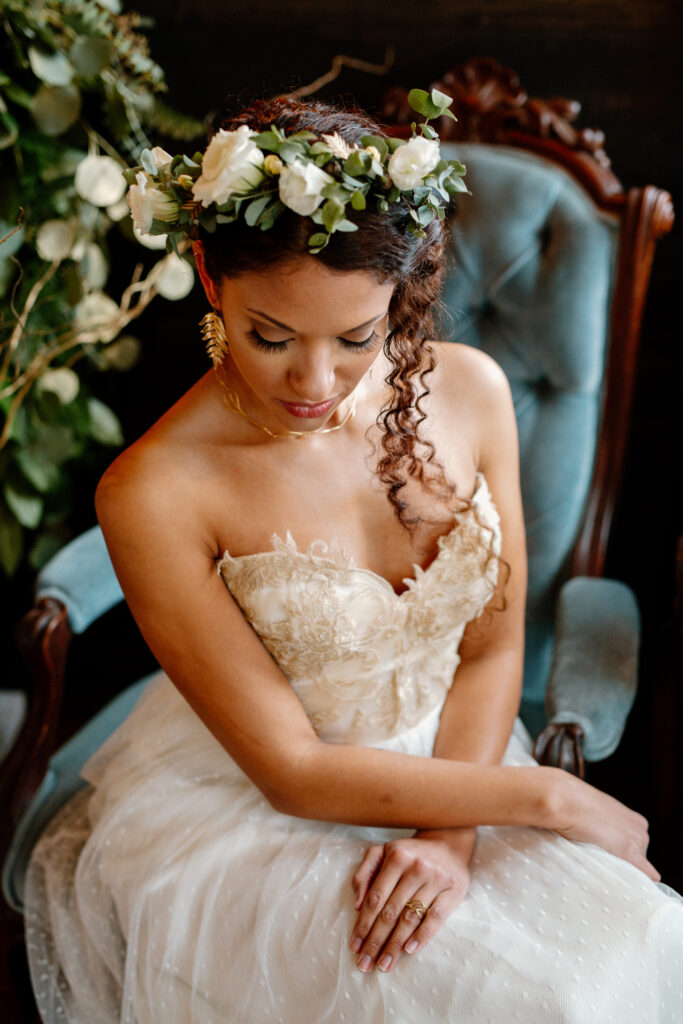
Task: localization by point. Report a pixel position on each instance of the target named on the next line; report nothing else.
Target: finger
(381, 889)
(395, 914)
(407, 923)
(441, 908)
(367, 870)
(650, 870)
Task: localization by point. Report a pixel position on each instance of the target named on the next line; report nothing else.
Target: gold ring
(418, 906)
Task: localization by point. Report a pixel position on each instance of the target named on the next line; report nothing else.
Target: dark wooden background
(621, 59)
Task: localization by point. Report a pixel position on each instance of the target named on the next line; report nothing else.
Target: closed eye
(279, 346)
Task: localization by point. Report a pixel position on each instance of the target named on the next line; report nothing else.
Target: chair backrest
(531, 285)
(550, 262)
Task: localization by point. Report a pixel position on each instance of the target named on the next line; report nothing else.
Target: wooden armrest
(560, 745)
(42, 636)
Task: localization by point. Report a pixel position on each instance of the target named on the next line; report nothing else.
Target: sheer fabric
(170, 891)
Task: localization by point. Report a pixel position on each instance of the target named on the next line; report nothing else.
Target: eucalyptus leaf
(333, 213)
(148, 162)
(55, 108)
(358, 201)
(346, 225)
(104, 424)
(23, 501)
(90, 55)
(44, 547)
(358, 162)
(379, 144)
(42, 474)
(18, 95)
(254, 210)
(455, 185)
(318, 239)
(290, 151)
(56, 443)
(50, 68)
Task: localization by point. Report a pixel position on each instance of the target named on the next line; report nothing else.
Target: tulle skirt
(169, 891)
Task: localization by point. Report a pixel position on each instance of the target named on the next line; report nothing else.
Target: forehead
(305, 293)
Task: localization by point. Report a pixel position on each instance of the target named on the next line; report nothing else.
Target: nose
(311, 374)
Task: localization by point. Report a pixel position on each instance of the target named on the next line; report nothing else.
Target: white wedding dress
(170, 892)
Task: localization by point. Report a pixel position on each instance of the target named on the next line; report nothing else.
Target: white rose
(150, 241)
(97, 317)
(148, 204)
(54, 240)
(161, 158)
(301, 186)
(409, 164)
(62, 382)
(232, 163)
(99, 179)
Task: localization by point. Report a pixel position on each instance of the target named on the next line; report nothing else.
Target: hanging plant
(78, 92)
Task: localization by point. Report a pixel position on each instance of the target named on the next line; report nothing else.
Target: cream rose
(148, 204)
(232, 163)
(301, 186)
(409, 164)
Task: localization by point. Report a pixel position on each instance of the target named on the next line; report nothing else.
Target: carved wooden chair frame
(491, 106)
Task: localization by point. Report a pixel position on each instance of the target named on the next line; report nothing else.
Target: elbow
(295, 789)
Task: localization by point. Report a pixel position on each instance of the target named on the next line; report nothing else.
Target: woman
(306, 817)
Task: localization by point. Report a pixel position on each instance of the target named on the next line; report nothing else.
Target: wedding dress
(169, 891)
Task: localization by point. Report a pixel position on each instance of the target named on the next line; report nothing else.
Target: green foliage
(58, 60)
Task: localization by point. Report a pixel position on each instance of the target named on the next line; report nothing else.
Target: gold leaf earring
(214, 337)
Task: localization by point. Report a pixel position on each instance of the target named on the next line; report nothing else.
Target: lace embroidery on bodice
(365, 662)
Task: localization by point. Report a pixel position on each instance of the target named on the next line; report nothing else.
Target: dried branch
(338, 62)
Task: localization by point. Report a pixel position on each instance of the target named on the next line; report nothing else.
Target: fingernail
(411, 946)
(385, 963)
(364, 963)
(355, 945)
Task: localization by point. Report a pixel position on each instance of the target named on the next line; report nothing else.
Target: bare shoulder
(465, 371)
(472, 398)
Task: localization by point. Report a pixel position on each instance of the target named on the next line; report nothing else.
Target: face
(301, 337)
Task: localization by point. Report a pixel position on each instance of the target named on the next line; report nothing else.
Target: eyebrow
(286, 328)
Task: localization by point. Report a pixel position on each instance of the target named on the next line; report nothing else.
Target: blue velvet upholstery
(82, 577)
(531, 280)
(595, 661)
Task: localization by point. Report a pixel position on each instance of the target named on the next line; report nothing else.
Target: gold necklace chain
(232, 402)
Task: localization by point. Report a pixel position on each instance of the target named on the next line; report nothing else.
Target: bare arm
(194, 627)
(164, 560)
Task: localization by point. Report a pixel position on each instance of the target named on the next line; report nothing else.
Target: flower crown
(260, 174)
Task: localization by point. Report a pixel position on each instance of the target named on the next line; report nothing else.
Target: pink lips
(304, 411)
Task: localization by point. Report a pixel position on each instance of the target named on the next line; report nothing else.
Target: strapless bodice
(367, 663)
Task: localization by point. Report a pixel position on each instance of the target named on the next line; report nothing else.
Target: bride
(323, 809)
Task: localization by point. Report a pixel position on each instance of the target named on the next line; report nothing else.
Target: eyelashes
(279, 346)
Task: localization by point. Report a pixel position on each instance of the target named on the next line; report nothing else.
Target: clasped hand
(429, 870)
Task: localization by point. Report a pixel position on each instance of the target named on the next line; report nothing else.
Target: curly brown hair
(382, 246)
